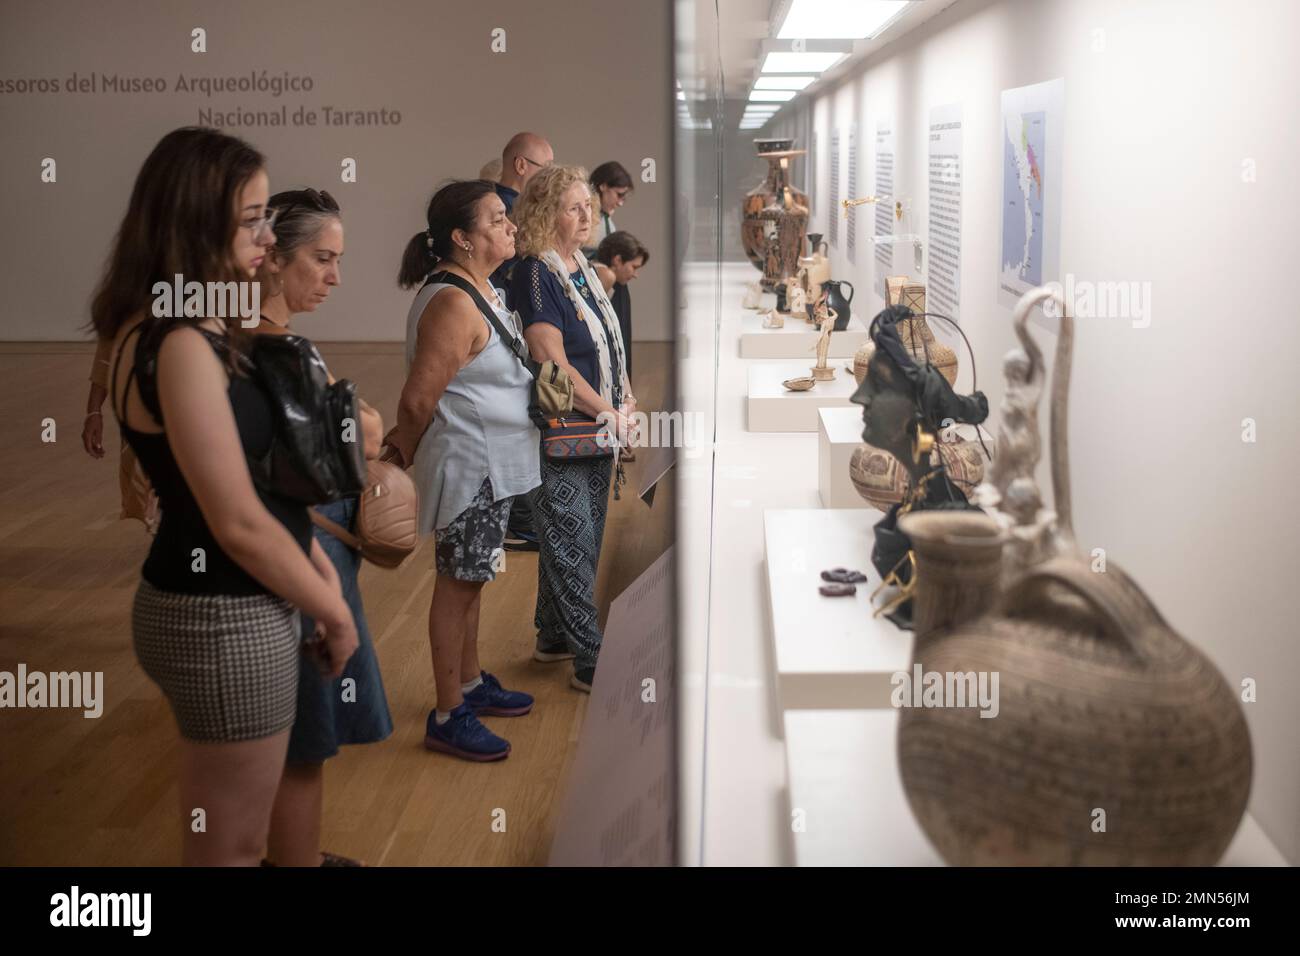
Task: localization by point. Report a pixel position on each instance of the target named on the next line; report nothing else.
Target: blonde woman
(568, 319)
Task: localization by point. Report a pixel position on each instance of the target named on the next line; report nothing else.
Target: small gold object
(892, 579)
(922, 445)
(799, 384)
(850, 203)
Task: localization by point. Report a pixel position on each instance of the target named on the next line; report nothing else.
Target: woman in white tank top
(463, 423)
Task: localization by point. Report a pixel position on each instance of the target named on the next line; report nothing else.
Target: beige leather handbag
(386, 515)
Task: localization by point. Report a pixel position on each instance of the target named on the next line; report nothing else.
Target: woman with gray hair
(297, 276)
(568, 319)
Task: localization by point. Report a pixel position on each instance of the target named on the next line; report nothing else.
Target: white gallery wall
(1180, 145)
(598, 86)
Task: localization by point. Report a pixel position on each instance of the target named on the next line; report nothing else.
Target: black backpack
(311, 460)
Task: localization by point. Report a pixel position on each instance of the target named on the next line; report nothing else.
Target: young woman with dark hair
(610, 185)
(214, 621)
(619, 259)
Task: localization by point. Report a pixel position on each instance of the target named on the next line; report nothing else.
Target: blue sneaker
(490, 699)
(464, 736)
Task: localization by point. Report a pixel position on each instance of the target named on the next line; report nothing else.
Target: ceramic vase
(1108, 739)
(774, 216)
(1115, 741)
(881, 479)
(918, 338)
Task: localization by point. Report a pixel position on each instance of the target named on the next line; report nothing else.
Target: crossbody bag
(567, 434)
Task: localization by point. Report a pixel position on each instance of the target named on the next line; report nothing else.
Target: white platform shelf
(839, 435)
(842, 767)
(797, 339)
(829, 653)
(842, 771)
(773, 408)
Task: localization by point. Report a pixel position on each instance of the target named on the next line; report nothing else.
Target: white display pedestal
(829, 653)
(797, 339)
(842, 768)
(839, 434)
(773, 408)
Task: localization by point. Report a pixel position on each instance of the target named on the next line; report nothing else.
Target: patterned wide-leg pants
(569, 515)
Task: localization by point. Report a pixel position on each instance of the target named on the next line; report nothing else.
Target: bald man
(524, 155)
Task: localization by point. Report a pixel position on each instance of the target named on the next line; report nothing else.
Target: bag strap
(510, 340)
(130, 375)
(320, 521)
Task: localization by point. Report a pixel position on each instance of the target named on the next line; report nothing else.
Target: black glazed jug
(836, 300)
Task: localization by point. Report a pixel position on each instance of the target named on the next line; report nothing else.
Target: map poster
(1033, 121)
(886, 224)
(943, 262)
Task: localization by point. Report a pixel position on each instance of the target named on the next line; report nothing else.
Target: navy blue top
(539, 297)
(501, 277)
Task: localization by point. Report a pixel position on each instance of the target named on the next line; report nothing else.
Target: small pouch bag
(551, 397)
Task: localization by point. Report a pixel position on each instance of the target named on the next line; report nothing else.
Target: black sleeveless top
(172, 564)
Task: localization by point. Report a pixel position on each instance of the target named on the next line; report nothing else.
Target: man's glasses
(534, 162)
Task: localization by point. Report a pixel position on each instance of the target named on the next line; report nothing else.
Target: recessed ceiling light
(771, 96)
(783, 82)
(791, 62)
(838, 19)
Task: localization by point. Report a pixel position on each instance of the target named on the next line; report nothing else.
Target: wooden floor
(79, 791)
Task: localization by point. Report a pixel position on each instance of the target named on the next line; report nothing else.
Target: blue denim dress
(352, 709)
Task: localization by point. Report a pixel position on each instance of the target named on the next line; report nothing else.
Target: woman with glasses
(610, 185)
(569, 319)
(298, 274)
(214, 622)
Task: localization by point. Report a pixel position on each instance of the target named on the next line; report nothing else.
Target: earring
(469, 249)
(922, 445)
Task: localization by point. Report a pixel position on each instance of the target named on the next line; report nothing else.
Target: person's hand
(625, 429)
(334, 642)
(397, 448)
(92, 435)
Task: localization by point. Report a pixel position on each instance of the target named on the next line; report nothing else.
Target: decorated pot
(881, 479)
(918, 338)
(1100, 735)
(774, 216)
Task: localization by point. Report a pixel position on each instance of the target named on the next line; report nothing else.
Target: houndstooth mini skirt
(228, 664)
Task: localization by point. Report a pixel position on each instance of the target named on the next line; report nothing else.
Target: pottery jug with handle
(834, 289)
(1105, 738)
